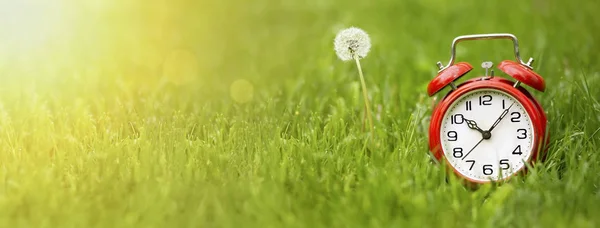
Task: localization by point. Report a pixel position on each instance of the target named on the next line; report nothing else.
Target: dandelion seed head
(351, 41)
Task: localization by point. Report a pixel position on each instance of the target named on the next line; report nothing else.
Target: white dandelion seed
(352, 41)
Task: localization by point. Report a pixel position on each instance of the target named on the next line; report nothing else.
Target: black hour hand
(473, 125)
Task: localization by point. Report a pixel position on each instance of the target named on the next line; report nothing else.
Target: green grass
(109, 142)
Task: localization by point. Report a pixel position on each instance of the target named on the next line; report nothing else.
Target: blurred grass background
(238, 114)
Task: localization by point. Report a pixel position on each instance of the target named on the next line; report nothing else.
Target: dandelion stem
(364, 89)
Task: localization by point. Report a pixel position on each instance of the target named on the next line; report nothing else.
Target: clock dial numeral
(503, 105)
(485, 100)
(472, 164)
(452, 136)
(515, 117)
(504, 164)
(458, 152)
(487, 169)
(469, 106)
(523, 134)
(457, 119)
(517, 151)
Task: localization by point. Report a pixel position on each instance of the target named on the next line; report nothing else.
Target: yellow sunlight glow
(47, 39)
(29, 25)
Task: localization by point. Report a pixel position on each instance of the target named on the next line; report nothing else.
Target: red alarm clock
(488, 128)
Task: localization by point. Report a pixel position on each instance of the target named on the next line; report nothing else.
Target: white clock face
(480, 144)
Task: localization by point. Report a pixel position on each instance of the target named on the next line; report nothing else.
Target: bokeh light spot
(241, 91)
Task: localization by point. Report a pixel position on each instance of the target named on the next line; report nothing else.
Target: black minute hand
(500, 118)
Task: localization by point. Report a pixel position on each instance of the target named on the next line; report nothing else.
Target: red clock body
(488, 129)
(480, 157)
